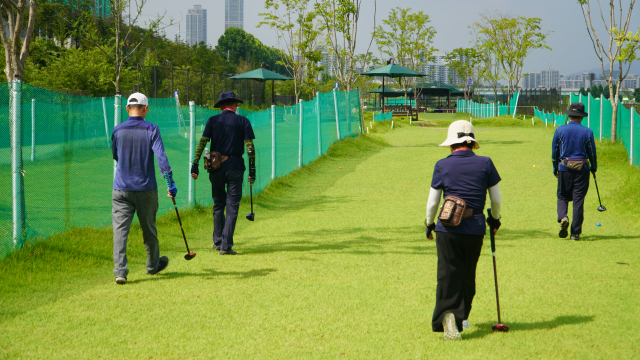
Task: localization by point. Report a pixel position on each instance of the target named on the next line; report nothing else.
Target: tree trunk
(614, 113)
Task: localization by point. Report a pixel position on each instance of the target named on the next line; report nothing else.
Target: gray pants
(125, 204)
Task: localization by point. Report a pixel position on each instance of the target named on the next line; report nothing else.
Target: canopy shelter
(388, 93)
(392, 71)
(262, 75)
(434, 89)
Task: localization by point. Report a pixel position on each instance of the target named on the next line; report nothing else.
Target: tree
(339, 19)
(511, 39)
(465, 64)
(127, 39)
(408, 38)
(297, 34)
(12, 19)
(636, 95)
(621, 47)
(595, 92)
(53, 17)
(492, 75)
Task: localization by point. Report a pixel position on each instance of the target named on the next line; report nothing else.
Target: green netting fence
(599, 120)
(488, 110)
(59, 173)
(380, 116)
(548, 118)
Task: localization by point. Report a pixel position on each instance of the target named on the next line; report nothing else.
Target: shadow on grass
(484, 329)
(365, 244)
(209, 275)
(609, 237)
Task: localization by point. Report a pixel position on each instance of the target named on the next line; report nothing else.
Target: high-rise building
(233, 14)
(438, 70)
(102, 8)
(196, 25)
(550, 78)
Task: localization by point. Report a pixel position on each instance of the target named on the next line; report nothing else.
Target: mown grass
(337, 266)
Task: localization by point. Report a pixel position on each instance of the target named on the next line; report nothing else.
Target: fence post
(601, 106)
(631, 145)
(16, 161)
(116, 121)
(515, 107)
(192, 136)
(589, 111)
(360, 111)
(318, 119)
(300, 141)
(33, 129)
(273, 142)
(335, 103)
(106, 123)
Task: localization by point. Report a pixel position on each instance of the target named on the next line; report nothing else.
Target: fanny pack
(574, 164)
(454, 210)
(213, 160)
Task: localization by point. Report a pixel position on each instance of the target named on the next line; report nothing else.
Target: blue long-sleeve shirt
(133, 144)
(573, 141)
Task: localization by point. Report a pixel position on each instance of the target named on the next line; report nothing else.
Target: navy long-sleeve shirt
(133, 144)
(573, 141)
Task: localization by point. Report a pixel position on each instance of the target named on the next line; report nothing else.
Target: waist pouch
(213, 160)
(574, 164)
(454, 210)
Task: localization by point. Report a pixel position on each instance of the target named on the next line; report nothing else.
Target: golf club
(601, 208)
(189, 255)
(499, 326)
(251, 216)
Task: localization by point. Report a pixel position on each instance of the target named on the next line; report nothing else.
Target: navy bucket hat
(227, 96)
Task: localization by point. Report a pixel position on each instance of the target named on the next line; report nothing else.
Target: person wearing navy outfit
(467, 176)
(229, 134)
(134, 142)
(573, 144)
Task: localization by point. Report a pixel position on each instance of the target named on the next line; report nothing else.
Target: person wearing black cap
(573, 145)
(229, 134)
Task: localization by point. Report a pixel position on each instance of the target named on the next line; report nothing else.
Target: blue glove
(168, 177)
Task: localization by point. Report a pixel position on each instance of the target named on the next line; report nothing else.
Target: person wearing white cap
(463, 179)
(134, 142)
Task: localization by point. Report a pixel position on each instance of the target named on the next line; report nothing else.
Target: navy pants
(226, 190)
(458, 256)
(572, 186)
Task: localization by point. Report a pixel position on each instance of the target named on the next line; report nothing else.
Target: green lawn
(337, 265)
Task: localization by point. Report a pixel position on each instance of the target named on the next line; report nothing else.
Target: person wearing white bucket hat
(463, 178)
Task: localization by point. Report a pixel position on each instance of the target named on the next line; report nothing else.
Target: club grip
(491, 234)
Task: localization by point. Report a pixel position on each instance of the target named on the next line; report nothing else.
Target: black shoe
(216, 247)
(164, 261)
(575, 237)
(564, 225)
(227, 252)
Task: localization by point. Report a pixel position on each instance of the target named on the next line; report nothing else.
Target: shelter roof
(261, 75)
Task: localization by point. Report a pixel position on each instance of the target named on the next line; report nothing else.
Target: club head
(251, 216)
(601, 208)
(500, 327)
(189, 256)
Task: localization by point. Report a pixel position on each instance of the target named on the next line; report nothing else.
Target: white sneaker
(465, 324)
(450, 329)
(121, 280)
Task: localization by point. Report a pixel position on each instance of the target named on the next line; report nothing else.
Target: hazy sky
(572, 49)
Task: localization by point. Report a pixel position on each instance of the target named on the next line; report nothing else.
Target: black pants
(224, 226)
(572, 186)
(458, 256)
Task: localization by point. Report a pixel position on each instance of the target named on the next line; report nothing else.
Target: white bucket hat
(461, 131)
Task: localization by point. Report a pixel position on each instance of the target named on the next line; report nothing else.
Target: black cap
(576, 109)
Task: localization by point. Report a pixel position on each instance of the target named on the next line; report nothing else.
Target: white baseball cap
(137, 99)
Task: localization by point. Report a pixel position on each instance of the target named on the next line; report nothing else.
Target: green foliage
(407, 37)
(595, 91)
(636, 95)
(242, 46)
(511, 39)
(55, 18)
(467, 64)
